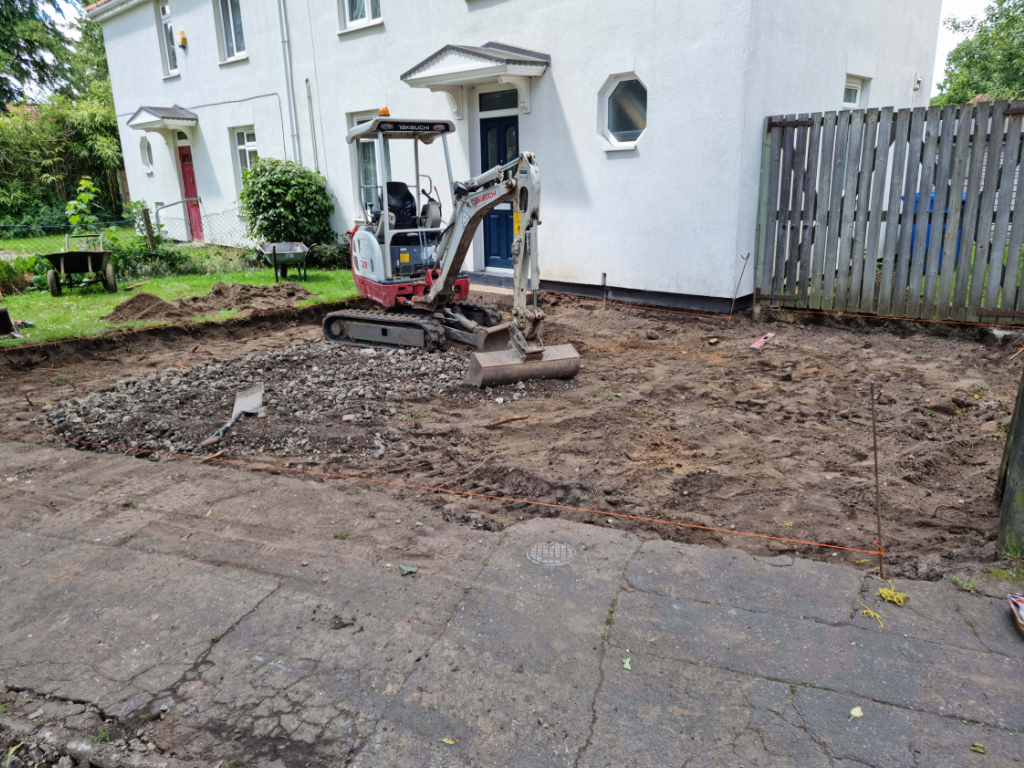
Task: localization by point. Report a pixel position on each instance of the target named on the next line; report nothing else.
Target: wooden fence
(899, 213)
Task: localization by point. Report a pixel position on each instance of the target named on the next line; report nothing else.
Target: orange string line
(449, 491)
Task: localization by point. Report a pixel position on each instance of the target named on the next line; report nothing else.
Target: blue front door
(499, 144)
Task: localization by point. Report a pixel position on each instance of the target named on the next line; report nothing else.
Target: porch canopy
(456, 67)
(155, 119)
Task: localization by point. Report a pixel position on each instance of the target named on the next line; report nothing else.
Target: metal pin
(878, 489)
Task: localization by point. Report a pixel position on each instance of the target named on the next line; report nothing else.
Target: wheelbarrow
(282, 255)
(68, 265)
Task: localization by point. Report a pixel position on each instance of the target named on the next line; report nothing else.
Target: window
(170, 56)
(146, 150)
(497, 100)
(231, 26)
(245, 145)
(361, 12)
(369, 191)
(852, 92)
(623, 111)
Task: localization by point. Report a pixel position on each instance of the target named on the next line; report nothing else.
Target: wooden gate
(898, 213)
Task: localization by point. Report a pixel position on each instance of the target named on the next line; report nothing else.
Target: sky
(961, 9)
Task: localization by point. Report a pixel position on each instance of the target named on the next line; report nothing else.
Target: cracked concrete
(213, 611)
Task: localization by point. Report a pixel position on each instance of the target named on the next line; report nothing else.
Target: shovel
(7, 325)
(249, 401)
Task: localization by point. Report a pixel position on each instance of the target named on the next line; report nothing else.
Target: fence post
(147, 226)
(1011, 483)
(762, 214)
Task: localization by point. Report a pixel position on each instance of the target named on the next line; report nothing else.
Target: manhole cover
(551, 554)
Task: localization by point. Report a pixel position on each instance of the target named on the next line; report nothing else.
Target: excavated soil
(659, 423)
(247, 299)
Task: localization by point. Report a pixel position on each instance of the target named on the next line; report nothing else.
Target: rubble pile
(320, 398)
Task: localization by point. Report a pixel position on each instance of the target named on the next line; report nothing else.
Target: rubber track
(433, 328)
(493, 313)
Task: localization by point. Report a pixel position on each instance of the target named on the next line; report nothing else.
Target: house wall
(673, 215)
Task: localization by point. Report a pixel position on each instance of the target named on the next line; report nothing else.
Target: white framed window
(622, 111)
(245, 147)
(368, 191)
(360, 13)
(167, 39)
(146, 151)
(231, 29)
(852, 92)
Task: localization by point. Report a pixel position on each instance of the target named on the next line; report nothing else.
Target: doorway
(188, 178)
(499, 144)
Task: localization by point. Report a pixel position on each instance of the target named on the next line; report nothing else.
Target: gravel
(320, 399)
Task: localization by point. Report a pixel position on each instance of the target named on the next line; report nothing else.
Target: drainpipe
(286, 53)
(312, 127)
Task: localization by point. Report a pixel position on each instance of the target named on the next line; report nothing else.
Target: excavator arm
(526, 356)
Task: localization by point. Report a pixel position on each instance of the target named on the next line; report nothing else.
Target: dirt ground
(660, 423)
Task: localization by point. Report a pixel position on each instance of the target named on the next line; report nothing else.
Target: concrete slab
(515, 674)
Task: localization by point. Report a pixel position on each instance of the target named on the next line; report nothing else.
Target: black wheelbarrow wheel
(282, 271)
(53, 283)
(109, 279)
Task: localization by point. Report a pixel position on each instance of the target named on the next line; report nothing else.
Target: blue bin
(928, 234)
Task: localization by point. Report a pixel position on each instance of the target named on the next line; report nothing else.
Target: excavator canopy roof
(395, 128)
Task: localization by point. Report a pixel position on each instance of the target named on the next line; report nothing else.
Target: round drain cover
(551, 554)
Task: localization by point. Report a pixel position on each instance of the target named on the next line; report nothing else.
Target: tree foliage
(991, 60)
(284, 202)
(48, 146)
(34, 50)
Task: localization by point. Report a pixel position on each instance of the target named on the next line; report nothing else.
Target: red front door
(188, 176)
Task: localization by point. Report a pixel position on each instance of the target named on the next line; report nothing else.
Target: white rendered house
(647, 116)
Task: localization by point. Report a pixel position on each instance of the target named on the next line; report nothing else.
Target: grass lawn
(77, 313)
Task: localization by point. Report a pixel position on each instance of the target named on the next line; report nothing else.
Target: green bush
(283, 202)
(133, 259)
(331, 255)
(22, 273)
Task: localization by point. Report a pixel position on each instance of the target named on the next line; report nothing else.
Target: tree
(33, 48)
(1011, 485)
(86, 60)
(991, 60)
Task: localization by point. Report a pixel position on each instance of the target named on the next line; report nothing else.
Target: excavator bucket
(491, 369)
(495, 338)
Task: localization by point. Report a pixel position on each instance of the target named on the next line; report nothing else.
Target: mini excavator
(409, 261)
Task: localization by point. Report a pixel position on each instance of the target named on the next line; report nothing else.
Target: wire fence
(225, 228)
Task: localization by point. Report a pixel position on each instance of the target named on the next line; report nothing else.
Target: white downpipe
(286, 53)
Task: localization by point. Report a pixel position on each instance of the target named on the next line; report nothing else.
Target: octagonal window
(627, 110)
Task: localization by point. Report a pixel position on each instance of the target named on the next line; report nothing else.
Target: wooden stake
(878, 489)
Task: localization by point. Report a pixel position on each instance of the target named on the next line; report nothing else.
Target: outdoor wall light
(182, 40)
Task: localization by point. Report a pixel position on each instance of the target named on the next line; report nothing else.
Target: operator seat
(402, 204)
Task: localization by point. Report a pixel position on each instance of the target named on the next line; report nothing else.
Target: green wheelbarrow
(280, 256)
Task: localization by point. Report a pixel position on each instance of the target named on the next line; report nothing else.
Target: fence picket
(785, 206)
(1013, 259)
(842, 276)
(796, 213)
(801, 281)
(907, 219)
(965, 253)
(923, 205)
(881, 163)
(835, 204)
(768, 256)
(1007, 176)
(892, 228)
(858, 253)
(936, 225)
(828, 140)
(983, 236)
(956, 197)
